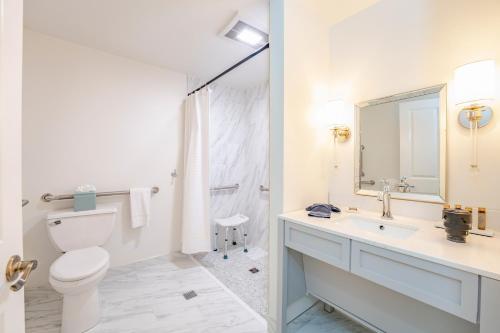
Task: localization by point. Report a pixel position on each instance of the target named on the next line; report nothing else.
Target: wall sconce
(474, 86)
(341, 133)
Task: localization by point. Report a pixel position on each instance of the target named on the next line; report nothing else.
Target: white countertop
(479, 255)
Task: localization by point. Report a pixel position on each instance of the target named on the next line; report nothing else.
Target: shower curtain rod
(231, 68)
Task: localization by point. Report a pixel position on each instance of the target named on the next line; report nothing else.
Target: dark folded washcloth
(322, 210)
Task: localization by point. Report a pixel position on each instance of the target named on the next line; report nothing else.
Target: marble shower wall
(239, 153)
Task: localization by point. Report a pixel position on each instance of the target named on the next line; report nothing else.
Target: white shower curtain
(196, 196)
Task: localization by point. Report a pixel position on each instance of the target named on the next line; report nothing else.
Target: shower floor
(235, 274)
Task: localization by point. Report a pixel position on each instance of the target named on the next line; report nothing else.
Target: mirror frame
(430, 198)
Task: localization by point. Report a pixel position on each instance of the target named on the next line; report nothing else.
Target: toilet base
(80, 311)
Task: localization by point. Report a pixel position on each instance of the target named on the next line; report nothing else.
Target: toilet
(77, 273)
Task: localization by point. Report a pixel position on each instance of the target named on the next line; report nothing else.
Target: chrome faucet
(385, 197)
(403, 185)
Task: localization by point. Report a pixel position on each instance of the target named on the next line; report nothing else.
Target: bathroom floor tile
(315, 320)
(148, 297)
(235, 274)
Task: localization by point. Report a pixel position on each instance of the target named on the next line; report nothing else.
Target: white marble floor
(234, 273)
(147, 297)
(315, 320)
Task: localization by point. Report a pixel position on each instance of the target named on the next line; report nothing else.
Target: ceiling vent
(245, 33)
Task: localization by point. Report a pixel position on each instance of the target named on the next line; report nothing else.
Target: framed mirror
(402, 138)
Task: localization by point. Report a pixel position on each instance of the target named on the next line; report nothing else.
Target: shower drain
(190, 294)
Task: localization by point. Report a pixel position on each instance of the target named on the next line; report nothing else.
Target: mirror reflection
(399, 141)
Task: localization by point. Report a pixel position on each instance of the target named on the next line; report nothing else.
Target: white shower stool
(235, 222)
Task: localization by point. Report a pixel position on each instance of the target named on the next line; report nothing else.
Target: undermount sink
(379, 227)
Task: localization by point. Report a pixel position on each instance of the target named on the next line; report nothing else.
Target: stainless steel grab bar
(48, 197)
(361, 171)
(225, 187)
(262, 188)
(367, 182)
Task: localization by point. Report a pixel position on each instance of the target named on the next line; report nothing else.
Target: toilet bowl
(77, 273)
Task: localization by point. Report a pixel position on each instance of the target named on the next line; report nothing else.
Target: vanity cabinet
(445, 288)
(403, 282)
(490, 306)
(331, 249)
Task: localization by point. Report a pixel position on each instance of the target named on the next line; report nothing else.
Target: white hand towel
(140, 202)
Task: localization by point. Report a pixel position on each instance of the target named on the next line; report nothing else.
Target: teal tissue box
(84, 201)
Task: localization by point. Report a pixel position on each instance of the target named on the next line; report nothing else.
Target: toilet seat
(79, 264)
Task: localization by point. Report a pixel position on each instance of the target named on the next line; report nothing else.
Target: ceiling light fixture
(242, 32)
(250, 37)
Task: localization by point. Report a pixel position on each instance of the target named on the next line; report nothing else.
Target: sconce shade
(336, 105)
(335, 109)
(475, 82)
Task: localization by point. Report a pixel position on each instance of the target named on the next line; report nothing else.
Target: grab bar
(262, 188)
(225, 187)
(48, 197)
(367, 182)
(361, 171)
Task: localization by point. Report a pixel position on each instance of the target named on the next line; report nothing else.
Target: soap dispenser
(481, 218)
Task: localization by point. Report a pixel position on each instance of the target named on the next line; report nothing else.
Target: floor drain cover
(254, 270)
(189, 295)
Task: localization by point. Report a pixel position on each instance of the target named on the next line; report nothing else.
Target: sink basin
(383, 228)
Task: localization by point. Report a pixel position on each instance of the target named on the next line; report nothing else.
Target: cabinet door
(489, 319)
(445, 288)
(333, 250)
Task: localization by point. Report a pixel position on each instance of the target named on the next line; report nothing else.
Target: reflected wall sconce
(474, 89)
(341, 133)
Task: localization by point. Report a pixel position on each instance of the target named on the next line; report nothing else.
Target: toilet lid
(79, 264)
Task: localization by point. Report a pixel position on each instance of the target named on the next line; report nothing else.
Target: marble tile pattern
(147, 297)
(315, 320)
(239, 153)
(234, 274)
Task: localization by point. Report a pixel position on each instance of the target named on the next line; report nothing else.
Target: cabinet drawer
(323, 246)
(445, 288)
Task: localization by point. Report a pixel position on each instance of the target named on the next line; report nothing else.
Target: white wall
(306, 79)
(92, 117)
(402, 45)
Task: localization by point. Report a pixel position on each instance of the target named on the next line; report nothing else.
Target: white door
(11, 230)
(419, 144)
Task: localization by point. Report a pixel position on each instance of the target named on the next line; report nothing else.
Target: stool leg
(244, 238)
(225, 243)
(234, 236)
(216, 237)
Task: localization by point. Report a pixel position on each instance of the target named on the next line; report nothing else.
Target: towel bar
(48, 197)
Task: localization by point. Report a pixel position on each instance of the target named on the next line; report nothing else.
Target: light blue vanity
(392, 276)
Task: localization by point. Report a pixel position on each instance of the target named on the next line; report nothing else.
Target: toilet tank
(69, 230)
